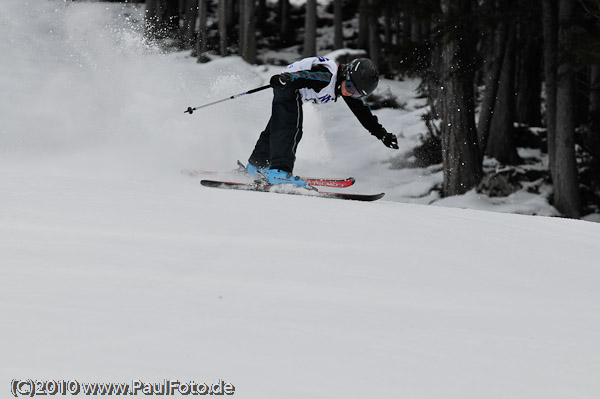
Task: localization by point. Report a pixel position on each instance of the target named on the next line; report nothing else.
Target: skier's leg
(261, 155)
(286, 128)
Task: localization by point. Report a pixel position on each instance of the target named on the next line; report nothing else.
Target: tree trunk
(373, 34)
(461, 165)
(285, 30)
(566, 186)
(248, 29)
(363, 25)
(550, 24)
(223, 41)
(433, 77)
(310, 29)
(501, 144)
(592, 135)
(242, 25)
(201, 39)
(497, 36)
(338, 31)
(190, 14)
(529, 66)
(230, 17)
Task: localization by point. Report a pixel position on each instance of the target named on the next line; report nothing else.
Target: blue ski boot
(277, 176)
(253, 171)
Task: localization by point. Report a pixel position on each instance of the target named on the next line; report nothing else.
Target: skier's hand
(280, 81)
(390, 140)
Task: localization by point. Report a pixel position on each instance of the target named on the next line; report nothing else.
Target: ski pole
(190, 110)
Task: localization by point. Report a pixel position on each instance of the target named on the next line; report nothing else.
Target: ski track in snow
(115, 266)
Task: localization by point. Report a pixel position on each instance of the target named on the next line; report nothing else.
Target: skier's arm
(316, 78)
(369, 121)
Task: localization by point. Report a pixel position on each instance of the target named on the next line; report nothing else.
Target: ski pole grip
(259, 89)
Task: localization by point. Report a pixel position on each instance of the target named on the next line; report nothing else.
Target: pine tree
(310, 29)
(501, 144)
(363, 25)
(201, 37)
(248, 31)
(566, 187)
(529, 74)
(223, 31)
(286, 33)
(550, 24)
(338, 36)
(189, 14)
(460, 154)
(374, 47)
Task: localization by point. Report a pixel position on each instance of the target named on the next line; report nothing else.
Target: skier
(318, 80)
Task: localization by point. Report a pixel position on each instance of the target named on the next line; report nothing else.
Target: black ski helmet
(364, 74)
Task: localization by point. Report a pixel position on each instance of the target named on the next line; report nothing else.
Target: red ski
(311, 181)
(282, 189)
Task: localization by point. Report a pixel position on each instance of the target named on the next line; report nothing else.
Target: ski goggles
(351, 88)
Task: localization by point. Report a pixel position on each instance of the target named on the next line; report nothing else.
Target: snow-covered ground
(116, 266)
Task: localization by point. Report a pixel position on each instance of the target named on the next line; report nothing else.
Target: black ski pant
(277, 144)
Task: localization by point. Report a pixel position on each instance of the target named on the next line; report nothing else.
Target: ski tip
(215, 183)
(369, 197)
(351, 196)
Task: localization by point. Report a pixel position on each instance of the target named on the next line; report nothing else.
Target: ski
(311, 181)
(292, 191)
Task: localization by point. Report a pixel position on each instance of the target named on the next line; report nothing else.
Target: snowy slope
(115, 266)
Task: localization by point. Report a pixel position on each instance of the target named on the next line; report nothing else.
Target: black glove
(280, 81)
(389, 140)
